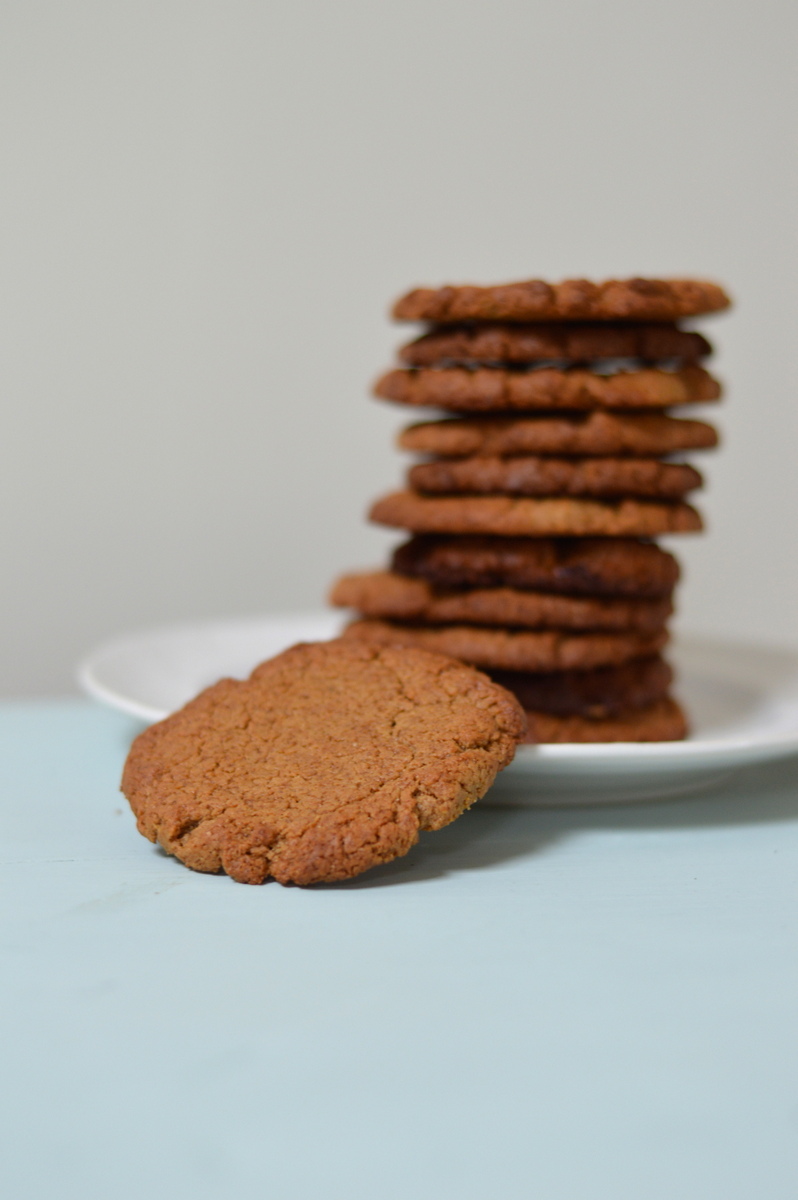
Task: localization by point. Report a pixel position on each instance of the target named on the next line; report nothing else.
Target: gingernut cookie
(523, 516)
(493, 342)
(576, 566)
(385, 594)
(597, 693)
(533, 476)
(596, 432)
(328, 760)
(511, 649)
(663, 721)
(493, 390)
(571, 300)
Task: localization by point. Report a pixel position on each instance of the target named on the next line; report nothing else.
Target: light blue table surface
(558, 1005)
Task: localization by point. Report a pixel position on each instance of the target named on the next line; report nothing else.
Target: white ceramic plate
(742, 701)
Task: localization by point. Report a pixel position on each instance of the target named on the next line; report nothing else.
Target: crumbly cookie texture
(580, 566)
(587, 433)
(597, 693)
(663, 721)
(511, 649)
(494, 342)
(573, 299)
(387, 594)
(494, 390)
(327, 761)
(525, 516)
(529, 475)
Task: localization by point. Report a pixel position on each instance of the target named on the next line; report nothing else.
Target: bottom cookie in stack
(572, 626)
(629, 703)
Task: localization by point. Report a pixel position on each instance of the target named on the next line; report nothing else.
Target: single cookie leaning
(494, 342)
(385, 594)
(328, 760)
(577, 566)
(572, 300)
(492, 390)
(511, 649)
(524, 516)
(590, 433)
(535, 476)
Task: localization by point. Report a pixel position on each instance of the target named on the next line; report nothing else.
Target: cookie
(385, 594)
(511, 649)
(453, 345)
(533, 476)
(491, 390)
(571, 300)
(328, 760)
(591, 433)
(523, 516)
(576, 566)
(597, 693)
(663, 721)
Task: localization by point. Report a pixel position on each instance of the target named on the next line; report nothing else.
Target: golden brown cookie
(328, 760)
(523, 516)
(535, 476)
(589, 433)
(663, 721)
(571, 300)
(493, 342)
(492, 390)
(511, 649)
(385, 594)
(578, 566)
(597, 693)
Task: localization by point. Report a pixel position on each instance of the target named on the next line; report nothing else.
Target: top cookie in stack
(531, 505)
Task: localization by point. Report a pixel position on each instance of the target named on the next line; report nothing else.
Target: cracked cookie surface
(494, 342)
(587, 433)
(511, 649)
(495, 390)
(580, 566)
(635, 299)
(398, 597)
(524, 516)
(534, 475)
(327, 761)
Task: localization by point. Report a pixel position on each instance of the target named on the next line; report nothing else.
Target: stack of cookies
(533, 510)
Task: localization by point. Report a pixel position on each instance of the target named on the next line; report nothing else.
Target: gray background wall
(208, 204)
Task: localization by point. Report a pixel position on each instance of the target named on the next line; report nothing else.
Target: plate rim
(86, 667)
(651, 755)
